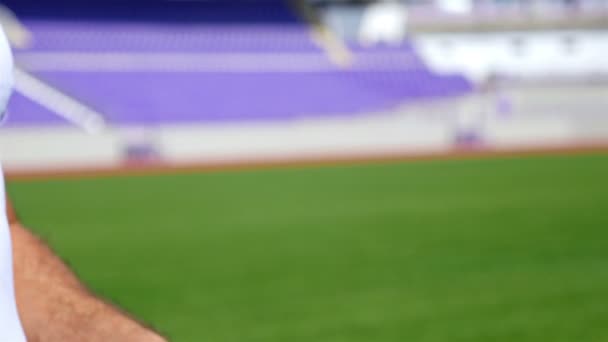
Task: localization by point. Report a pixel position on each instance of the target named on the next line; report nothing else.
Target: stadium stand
(209, 62)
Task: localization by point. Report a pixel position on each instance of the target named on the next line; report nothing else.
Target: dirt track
(326, 160)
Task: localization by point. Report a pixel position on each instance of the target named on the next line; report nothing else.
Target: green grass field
(507, 249)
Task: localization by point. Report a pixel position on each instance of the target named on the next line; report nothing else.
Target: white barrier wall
(58, 147)
(538, 116)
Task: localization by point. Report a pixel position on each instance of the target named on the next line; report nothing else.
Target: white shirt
(10, 326)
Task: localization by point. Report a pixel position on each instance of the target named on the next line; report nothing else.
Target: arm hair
(55, 306)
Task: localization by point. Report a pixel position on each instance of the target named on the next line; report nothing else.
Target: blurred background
(494, 248)
(102, 83)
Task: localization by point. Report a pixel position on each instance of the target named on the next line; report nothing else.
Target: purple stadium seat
(230, 63)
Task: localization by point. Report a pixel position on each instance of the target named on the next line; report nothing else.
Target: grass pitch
(512, 249)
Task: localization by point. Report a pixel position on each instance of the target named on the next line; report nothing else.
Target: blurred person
(40, 297)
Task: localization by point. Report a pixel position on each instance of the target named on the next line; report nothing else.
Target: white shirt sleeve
(10, 325)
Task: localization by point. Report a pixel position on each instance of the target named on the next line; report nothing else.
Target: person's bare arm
(55, 306)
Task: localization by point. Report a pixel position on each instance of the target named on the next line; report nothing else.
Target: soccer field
(503, 249)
